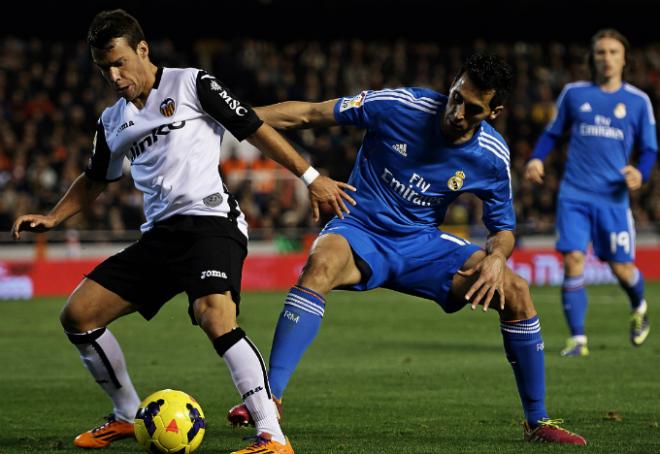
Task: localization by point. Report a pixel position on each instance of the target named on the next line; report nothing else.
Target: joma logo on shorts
(213, 273)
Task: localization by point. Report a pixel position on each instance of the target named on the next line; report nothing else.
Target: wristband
(310, 175)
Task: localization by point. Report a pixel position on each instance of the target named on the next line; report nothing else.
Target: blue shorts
(420, 264)
(610, 228)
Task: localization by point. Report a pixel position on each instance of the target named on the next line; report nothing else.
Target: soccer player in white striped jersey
(421, 151)
(607, 118)
(169, 123)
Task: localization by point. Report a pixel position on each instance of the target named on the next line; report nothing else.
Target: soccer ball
(171, 422)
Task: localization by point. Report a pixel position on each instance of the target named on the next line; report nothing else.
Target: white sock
(641, 309)
(249, 374)
(581, 339)
(103, 358)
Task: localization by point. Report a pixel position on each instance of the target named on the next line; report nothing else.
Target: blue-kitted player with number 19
(607, 117)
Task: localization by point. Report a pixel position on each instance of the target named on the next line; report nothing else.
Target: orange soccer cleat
(265, 445)
(103, 435)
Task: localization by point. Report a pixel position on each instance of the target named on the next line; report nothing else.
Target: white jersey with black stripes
(173, 145)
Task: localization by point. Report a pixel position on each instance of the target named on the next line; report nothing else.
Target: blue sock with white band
(574, 301)
(297, 327)
(635, 290)
(524, 350)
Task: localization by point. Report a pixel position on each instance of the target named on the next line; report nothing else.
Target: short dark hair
(117, 23)
(606, 33)
(489, 72)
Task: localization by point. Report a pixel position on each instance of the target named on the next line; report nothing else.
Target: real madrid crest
(620, 110)
(456, 182)
(167, 107)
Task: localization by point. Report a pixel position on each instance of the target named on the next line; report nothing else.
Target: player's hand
(327, 190)
(491, 279)
(633, 177)
(32, 223)
(535, 171)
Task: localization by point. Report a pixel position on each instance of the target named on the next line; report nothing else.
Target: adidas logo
(586, 107)
(401, 148)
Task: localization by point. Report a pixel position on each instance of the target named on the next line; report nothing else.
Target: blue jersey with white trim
(604, 127)
(406, 173)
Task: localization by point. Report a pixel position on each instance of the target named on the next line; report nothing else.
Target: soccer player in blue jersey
(420, 152)
(606, 117)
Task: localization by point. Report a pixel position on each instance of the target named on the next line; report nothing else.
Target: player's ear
(495, 112)
(143, 49)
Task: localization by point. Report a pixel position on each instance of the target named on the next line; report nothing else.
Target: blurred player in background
(169, 123)
(420, 152)
(607, 117)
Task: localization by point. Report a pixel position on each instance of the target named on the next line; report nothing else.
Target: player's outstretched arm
(321, 189)
(298, 115)
(83, 191)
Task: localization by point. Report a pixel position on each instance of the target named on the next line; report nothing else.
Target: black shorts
(199, 255)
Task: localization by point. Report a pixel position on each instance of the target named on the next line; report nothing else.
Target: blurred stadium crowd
(51, 97)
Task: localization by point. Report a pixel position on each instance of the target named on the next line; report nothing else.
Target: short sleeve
(103, 165)
(364, 109)
(221, 104)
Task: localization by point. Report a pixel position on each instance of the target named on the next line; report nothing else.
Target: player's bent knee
(215, 314)
(220, 305)
(92, 306)
(574, 263)
(623, 271)
(75, 317)
(329, 265)
(320, 272)
(519, 304)
(69, 321)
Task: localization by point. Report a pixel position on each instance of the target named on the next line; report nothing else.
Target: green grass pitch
(388, 374)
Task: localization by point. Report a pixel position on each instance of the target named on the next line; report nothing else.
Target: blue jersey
(604, 127)
(407, 174)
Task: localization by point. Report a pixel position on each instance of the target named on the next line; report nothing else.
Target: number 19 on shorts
(620, 239)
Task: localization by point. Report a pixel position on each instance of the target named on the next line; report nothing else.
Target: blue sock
(574, 299)
(524, 350)
(297, 327)
(634, 290)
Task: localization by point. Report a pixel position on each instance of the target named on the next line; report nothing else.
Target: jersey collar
(159, 74)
